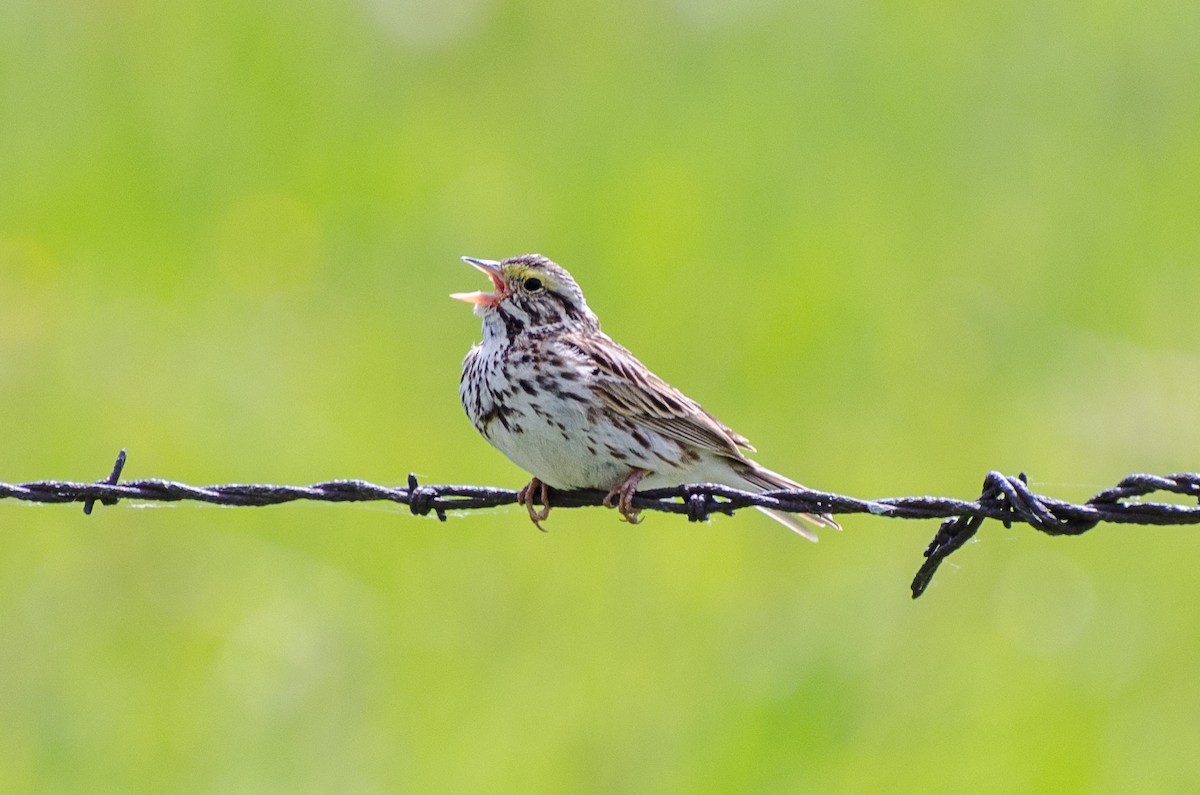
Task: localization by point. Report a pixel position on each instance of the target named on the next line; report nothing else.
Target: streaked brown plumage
(575, 409)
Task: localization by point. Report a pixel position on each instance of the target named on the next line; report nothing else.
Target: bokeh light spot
(429, 24)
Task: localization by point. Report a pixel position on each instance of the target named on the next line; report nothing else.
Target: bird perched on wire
(569, 405)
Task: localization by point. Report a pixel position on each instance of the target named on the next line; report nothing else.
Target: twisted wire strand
(1004, 498)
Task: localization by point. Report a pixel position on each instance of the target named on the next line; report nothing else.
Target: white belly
(550, 434)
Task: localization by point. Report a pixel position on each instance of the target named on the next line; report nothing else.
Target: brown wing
(628, 387)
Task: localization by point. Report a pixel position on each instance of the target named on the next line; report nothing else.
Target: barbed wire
(1004, 498)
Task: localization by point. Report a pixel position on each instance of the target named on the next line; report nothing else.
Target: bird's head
(528, 292)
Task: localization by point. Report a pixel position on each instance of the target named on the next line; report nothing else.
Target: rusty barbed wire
(1004, 498)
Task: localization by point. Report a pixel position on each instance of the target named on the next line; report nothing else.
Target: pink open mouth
(479, 298)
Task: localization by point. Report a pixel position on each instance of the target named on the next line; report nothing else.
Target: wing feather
(629, 387)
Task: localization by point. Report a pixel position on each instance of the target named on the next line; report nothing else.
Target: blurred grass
(896, 246)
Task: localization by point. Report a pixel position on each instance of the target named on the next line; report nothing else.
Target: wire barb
(1003, 498)
(421, 499)
(111, 480)
(700, 505)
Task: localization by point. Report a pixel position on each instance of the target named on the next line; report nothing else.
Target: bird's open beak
(492, 269)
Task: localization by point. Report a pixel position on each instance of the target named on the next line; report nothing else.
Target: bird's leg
(624, 492)
(525, 497)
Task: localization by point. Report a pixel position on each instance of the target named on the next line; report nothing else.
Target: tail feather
(765, 480)
(793, 522)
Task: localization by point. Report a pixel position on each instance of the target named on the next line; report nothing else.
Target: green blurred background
(895, 245)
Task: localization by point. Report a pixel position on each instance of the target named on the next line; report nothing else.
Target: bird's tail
(762, 479)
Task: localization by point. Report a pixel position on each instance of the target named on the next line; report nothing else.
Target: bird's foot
(525, 497)
(623, 492)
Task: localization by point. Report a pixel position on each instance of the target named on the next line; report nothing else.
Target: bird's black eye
(532, 284)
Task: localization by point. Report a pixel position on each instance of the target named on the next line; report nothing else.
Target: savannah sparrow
(564, 402)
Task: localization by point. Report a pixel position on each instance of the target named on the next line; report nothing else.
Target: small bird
(576, 410)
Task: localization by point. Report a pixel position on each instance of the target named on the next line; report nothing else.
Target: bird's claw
(525, 497)
(624, 492)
